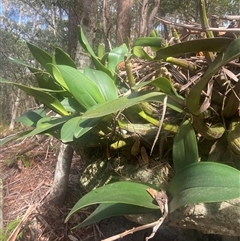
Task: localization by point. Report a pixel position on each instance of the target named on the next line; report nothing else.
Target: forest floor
(27, 181)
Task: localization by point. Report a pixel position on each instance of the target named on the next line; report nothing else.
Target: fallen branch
(194, 27)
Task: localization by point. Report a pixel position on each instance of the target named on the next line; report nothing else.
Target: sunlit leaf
(104, 83)
(84, 90)
(115, 56)
(203, 182)
(41, 56)
(106, 210)
(85, 44)
(139, 52)
(62, 58)
(41, 95)
(47, 125)
(72, 105)
(124, 102)
(194, 46)
(30, 118)
(185, 149)
(149, 41)
(130, 193)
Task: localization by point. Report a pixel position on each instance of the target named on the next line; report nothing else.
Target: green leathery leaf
(228, 54)
(185, 149)
(15, 136)
(163, 84)
(76, 127)
(104, 83)
(62, 58)
(68, 128)
(47, 125)
(44, 79)
(107, 210)
(85, 125)
(115, 56)
(84, 90)
(149, 41)
(72, 105)
(203, 182)
(130, 193)
(41, 56)
(30, 118)
(41, 95)
(124, 102)
(194, 46)
(85, 44)
(139, 52)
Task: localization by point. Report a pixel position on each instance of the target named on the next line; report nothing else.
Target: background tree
(124, 17)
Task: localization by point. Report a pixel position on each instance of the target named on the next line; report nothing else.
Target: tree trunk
(82, 13)
(106, 23)
(60, 183)
(124, 17)
(85, 14)
(148, 12)
(15, 110)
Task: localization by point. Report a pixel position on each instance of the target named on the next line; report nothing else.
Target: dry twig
(162, 200)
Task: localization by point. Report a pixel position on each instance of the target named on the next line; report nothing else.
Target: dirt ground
(27, 180)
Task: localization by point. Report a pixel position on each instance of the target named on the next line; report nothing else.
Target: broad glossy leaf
(41, 56)
(163, 84)
(203, 182)
(47, 125)
(41, 95)
(193, 46)
(185, 149)
(85, 44)
(44, 79)
(149, 41)
(84, 126)
(62, 58)
(130, 193)
(227, 55)
(104, 83)
(139, 52)
(124, 102)
(72, 105)
(107, 210)
(77, 127)
(67, 130)
(84, 90)
(30, 118)
(115, 56)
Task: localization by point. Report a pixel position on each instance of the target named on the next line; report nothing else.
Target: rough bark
(83, 13)
(107, 24)
(60, 183)
(124, 17)
(1, 202)
(15, 110)
(148, 12)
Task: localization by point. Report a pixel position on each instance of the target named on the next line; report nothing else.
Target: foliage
(194, 182)
(91, 107)
(6, 232)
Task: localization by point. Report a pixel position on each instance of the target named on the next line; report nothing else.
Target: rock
(212, 218)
